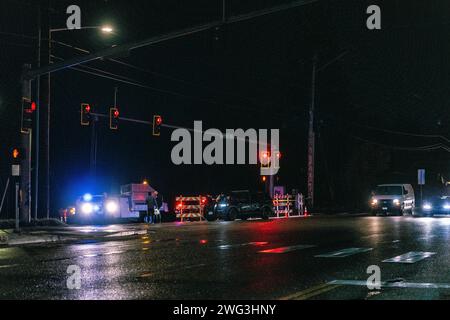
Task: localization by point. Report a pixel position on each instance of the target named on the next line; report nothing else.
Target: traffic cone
(306, 211)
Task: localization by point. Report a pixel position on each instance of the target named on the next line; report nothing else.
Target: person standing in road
(153, 208)
(158, 207)
(150, 208)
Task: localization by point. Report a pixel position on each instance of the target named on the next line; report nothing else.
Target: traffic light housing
(265, 159)
(85, 114)
(157, 122)
(28, 109)
(114, 118)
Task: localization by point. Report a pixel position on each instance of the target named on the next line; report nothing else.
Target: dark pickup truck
(240, 205)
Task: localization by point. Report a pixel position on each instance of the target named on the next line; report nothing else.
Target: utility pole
(47, 114)
(311, 134)
(37, 119)
(25, 185)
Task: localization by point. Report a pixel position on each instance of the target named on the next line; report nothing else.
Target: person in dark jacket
(151, 205)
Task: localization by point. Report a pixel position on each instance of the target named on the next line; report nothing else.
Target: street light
(105, 29)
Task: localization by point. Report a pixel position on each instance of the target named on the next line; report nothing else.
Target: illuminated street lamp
(106, 29)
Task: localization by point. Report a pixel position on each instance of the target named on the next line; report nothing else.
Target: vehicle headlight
(223, 205)
(427, 206)
(396, 202)
(87, 208)
(447, 206)
(111, 207)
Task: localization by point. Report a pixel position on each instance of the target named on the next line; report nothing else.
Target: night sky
(257, 74)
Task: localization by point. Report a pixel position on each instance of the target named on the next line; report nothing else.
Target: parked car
(240, 205)
(396, 199)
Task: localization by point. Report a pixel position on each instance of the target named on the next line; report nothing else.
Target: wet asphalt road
(234, 260)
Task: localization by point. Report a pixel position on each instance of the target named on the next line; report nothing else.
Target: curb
(29, 240)
(34, 240)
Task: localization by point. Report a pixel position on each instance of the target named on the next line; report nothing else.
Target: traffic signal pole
(93, 166)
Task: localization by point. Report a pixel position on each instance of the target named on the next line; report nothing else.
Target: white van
(396, 199)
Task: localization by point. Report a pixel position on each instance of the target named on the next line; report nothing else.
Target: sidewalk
(29, 236)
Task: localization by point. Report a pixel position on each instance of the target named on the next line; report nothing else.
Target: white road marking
(344, 253)
(9, 266)
(229, 246)
(287, 249)
(410, 257)
(427, 237)
(375, 235)
(417, 285)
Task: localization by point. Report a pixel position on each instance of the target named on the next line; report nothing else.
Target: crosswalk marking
(287, 249)
(427, 237)
(375, 235)
(343, 253)
(229, 246)
(410, 257)
(9, 266)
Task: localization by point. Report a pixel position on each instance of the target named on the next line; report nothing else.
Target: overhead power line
(420, 148)
(434, 136)
(114, 77)
(120, 49)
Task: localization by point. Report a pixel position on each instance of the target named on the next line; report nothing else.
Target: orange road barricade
(190, 208)
(284, 206)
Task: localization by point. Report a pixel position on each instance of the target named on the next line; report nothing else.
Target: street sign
(421, 177)
(15, 170)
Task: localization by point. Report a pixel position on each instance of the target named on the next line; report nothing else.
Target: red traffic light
(157, 122)
(85, 114)
(33, 106)
(114, 118)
